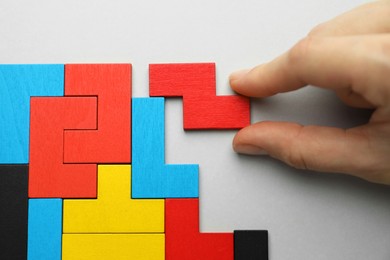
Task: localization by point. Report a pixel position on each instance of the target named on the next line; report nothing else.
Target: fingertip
(238, 74)
(243, 144)
(236, 77)
(249, 149)
(260, 81)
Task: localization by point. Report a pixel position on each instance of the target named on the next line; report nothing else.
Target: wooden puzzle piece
(93, 125)
(183, 240)
(110, 142)
(114, 211)
(202, 109)
(13, 216)
(49, 177)
(44, 229)
(113, 246)
(17, 84)
(151, 177)
(250, 244)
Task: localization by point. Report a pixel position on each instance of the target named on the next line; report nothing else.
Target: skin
(349, 55)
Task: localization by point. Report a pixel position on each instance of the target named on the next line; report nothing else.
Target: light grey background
(309, 215)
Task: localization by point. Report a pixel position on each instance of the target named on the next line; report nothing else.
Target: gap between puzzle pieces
(182, 239)
(17, 84)
(49, 177)
(113, 226)
(111, 141)
(45, 240)
(114, 211)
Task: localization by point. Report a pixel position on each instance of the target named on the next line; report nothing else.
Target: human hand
(349, 55)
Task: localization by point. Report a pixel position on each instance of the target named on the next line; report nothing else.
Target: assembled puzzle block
(114, 211)
(202, 109)
(250, 244)
(94, 123)
(183, 240)
(113, 246)
(151, 177)
(110, 142)
(49, 177)
(13, 216)
(44, 229)
(17, 84)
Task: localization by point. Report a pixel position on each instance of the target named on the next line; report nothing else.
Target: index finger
(358, 64)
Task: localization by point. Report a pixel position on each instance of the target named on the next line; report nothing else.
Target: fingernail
(236, 76)
(250, 149)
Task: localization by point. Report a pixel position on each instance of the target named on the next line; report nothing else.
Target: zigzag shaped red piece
(202, 109)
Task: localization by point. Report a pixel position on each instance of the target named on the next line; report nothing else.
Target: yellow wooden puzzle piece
(113, 246)
(113, 211)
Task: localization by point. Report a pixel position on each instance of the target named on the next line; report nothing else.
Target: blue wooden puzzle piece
(44, 229)
(151, 178)
(17, 84)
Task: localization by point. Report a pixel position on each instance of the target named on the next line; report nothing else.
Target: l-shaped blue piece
(151, 177)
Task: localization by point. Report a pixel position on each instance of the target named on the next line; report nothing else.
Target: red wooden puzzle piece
(182, 237)
(49, 177)
(202, 109)
(111, 141)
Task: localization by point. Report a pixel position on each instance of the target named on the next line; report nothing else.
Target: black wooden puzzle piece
(250, 245)
(13, 211)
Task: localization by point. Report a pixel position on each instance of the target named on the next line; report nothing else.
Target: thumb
(316, 148)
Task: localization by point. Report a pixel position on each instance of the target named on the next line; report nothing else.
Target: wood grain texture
(111, 141)
(113, 246)
(202, 109)
(183, 240)
(13, 208)
(113, 211)
(152, 178)
(17, 84)
(44, 229)
(49, 177)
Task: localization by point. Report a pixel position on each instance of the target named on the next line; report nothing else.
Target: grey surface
(309, 215)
